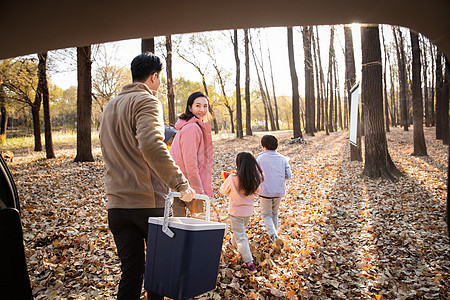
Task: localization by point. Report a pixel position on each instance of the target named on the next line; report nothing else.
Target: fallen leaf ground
(346, 236)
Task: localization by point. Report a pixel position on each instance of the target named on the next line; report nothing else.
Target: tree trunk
(230, 112)
(226, 103)
(309, 82)
(35, 109)
(266, 103)
(266, 117)
(345, 114)
(239, 133)
(84, 105)
(170, 92)
(277, 125)
(445, 100)
(36, 126)
(337, 97)
(425, 83)
(327, 123)
(420, 149)
(439, 94)
(330, 79)
(394, 110)
(42, 70)
(318, 85)
(248, 115)
(448, 157)
(386, 104)
(294, 79)
(4, 116)
(350, 80)
(402, 77)
(376, 152)
(448, 199)
(433, 86)
(148, 45)
(331, 100)
(323, 90)
(262, 78)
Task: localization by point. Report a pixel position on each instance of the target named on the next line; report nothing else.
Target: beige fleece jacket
(138, 164)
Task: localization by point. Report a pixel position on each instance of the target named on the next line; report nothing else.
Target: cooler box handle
(168, 204)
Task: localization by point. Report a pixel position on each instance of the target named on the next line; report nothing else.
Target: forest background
(208, 52)
(398, 68)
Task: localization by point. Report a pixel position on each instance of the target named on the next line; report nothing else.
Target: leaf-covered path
(346, 237)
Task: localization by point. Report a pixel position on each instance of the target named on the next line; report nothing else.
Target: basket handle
(168, 204)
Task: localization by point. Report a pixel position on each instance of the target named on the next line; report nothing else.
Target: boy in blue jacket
(276, 170)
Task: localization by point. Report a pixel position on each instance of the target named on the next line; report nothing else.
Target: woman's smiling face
(200, 108)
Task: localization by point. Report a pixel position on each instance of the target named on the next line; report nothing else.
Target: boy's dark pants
(129, 228)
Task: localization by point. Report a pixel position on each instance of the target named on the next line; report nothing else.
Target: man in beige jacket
(139, 169)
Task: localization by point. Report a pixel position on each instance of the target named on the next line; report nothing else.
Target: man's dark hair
(269, 142)
(144, 65)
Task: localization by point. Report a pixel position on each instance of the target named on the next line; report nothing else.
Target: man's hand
(187, 195)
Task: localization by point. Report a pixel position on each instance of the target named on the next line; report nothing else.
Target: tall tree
(170, 92)
(226, 101)
(35, 109)
(420, 149)
(402, 75)
(330, 79)
(377, 160)
(386, 104)
(274, 95)
(394, 106)
(445, 104)
(107, 81)
(148, 45)
(264, 96)
(448, 199)
(350, 80)
(43, 89)
(21, 81)
(323, 88)
(442, 98)
(239, 133)
(439, 94)
(337, 106)
(248, 115)
(4, 115)
(309, 82)
(318, 83)
(263, 86)
(433, 53)
(84, 105)
(294, 79)
(200, 42)
(424, 59)
(222, 78)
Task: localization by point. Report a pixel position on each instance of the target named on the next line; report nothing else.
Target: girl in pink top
(241, 189)
(192, 151)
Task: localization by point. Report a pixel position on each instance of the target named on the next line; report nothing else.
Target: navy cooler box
(185, 265)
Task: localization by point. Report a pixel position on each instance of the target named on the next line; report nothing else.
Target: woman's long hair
(187, 115)
(249, 173)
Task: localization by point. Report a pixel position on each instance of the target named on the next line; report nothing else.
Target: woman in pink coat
(192, 151)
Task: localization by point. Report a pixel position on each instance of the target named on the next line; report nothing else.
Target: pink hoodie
(192, 151)
(239, 204)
